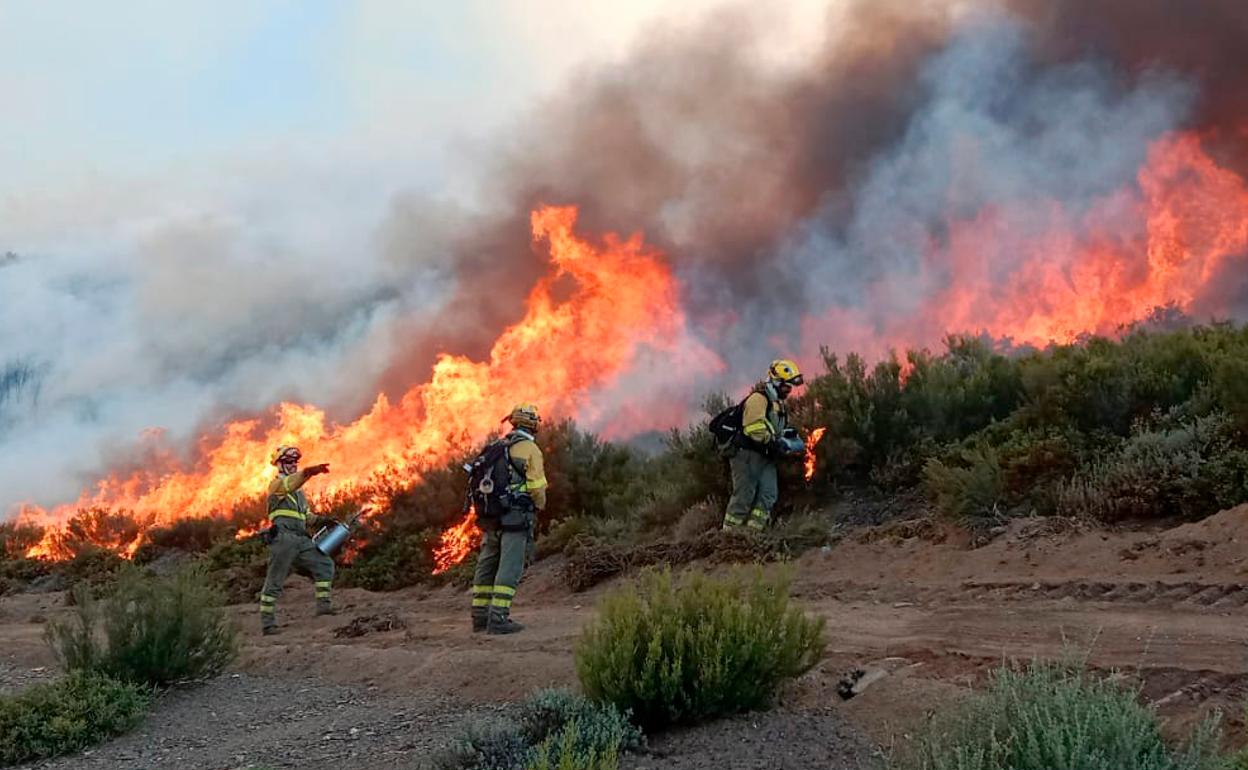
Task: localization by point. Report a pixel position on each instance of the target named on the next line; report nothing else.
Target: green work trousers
(499, 566)
(754, 490)
(293, 548)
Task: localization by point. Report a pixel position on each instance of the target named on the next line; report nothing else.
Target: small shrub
(1048, 716)
(563, 751)
(68, 715)
(973, 493)
(598, 726)
(674, 654)
(500, 745)
(394, 562)
(156, 630)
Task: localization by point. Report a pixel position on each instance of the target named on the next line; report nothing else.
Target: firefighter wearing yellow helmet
(289, 544)
(758, 446)
(506, 488)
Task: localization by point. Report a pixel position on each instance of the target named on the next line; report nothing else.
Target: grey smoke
(777, 195)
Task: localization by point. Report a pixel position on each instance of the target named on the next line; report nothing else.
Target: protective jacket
(763, 418)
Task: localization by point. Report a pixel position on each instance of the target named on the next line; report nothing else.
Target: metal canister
(331, 537)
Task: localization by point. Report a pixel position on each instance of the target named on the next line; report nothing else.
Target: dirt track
(1168, 608)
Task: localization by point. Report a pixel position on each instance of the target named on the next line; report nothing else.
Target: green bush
(500, 745)
(972, 493)
(156, 630)
(551, 729)
(394, 562)
(672, 654)
(598, 727)
(1188, 471)
(563, 751)
(1049, 716)
(68, 715)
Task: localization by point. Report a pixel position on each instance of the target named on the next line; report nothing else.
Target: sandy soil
(925, 619)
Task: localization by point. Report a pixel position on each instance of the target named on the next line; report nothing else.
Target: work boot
(268, 625)
(323, 607)
(480, 619)
(500, 622)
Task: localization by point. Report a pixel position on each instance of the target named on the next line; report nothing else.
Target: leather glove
(315, 470)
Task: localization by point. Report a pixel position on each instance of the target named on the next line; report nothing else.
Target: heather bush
(149, 630)
(551, 729)
(599, 728)
(1186, 471)
(67, 715)
(1050, 716)
(674, 653)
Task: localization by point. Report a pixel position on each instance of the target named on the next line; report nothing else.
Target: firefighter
(763, 419)
(507, 535)
(287, 537)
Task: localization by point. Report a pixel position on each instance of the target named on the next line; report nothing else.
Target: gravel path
(240, 721)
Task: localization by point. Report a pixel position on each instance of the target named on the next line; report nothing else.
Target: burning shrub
(17, 538)
(1047, 716)
(673, 654)
(68, 715)
(156, 630)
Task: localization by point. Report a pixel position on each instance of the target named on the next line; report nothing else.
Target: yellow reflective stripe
(481, 601)
(500, 601)
(538, 483)
(759, 429)
(504, 590)
(323, 583)
(288, 513)
(482, 589)
(267, 598)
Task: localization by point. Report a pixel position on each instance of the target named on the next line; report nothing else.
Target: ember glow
(811, 443)
(615, 296)
(456, 543)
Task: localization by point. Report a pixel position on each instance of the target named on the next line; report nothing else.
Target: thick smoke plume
(935, 167)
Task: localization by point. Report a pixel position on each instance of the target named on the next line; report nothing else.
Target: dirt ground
(922, 614)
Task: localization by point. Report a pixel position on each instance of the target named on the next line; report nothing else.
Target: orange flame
(615, 297)
(1162, 241)
(815, 436)
(457, 542)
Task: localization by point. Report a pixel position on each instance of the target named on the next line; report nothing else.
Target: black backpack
(726, 426)
(489, 479)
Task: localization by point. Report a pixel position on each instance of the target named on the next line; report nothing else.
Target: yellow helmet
(285, 453)
(525, 416)
(784, 370)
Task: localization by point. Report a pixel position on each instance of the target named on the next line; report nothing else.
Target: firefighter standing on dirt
(763, 420)
(506, 513)
(287, 537)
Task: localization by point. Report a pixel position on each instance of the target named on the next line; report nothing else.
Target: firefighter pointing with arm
(506, 487)
(764, 420)
(289, 543)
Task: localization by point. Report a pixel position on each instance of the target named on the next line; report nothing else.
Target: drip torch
(330, 537)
